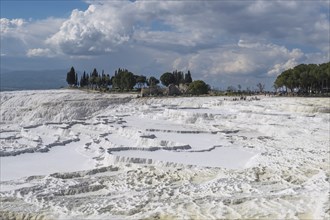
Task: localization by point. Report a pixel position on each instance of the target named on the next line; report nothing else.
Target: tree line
(124, 80)
(305, 78)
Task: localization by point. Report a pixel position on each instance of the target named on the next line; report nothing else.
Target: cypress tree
(71, 77)
(76, 80)
(187, 78)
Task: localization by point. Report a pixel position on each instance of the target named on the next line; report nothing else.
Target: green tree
(324, 76)
(167, 78)
(108, 80)
(239, 87)
(279, 82)
(153, 81)
(141, 81)
(123, 80)
(261, 87)
(83, 80)
(128, 80)
(94, 79)
(71, 77)
(306, 78)
(187, 78)
(76, 83)
(178, 77)
(198, 87)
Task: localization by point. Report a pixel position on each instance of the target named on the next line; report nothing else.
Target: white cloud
(9, 25)
(40, 52)
(189, 26)
(289, 60)
(18, 36)
(248, 44)
(212, 38)
(94, 31)
(245, 58)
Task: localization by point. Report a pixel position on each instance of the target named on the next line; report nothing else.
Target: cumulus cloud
(37, 52)
(18, 36)
(94, 31)
(189, 26)
(10, 25)
(233, 64)
(290, 59)
(213, 38)
(245, 58)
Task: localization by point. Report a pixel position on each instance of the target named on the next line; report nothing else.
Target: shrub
(198, 87)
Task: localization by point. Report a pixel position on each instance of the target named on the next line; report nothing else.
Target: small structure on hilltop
(183, 88)
(151, 91)
(172, 90)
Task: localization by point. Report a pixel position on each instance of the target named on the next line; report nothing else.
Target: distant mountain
(32, 79)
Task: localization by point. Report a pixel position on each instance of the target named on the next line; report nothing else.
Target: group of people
(244, 98)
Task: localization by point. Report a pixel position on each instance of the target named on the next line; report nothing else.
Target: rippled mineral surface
(68, 154)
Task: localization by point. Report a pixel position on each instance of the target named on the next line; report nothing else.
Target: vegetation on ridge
(124, 80)
(305, 78)
(302, 79)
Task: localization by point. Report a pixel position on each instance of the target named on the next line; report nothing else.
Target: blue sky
(222, 42)
(39, 9)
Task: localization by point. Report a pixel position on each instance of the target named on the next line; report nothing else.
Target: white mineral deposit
(68, 154)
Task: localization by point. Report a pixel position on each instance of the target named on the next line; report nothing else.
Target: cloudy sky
(222, 42)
